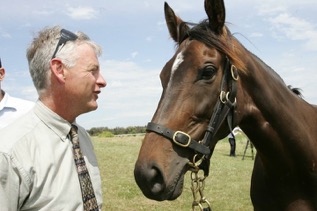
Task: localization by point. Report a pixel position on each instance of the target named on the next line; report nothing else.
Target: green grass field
(227, 187)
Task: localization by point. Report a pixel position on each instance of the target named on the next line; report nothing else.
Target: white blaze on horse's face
(178, 60)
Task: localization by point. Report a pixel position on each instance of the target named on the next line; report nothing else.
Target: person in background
(232, 141)
(11, 107)
(47, 161)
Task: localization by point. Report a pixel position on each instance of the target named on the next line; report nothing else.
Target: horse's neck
(274, 117)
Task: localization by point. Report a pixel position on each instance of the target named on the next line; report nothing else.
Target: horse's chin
(172, 192)
(177, 189)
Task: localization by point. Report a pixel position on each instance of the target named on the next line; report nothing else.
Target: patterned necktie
(89, 199)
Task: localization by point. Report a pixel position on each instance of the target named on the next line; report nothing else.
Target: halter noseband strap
(223, 109)
(179, 138)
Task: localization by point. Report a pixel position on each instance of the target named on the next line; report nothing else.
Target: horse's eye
(208, 72)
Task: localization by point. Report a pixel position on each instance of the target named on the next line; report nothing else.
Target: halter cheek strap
(225, 105)
(224, 109)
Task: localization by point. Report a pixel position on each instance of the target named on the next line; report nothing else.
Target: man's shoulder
(17, 131)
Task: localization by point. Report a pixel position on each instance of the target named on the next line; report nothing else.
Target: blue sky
(136, 45)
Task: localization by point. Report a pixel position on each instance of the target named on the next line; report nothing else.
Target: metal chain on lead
(197, 187)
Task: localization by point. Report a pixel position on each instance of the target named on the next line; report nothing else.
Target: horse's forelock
(225, 42)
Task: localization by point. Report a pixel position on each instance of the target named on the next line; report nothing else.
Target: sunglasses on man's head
(0, 63)
(65, 36)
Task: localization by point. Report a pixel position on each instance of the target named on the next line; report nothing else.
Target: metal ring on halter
(199, 161)
(234, 73)
(195, 163)
(222, 96)
(227, 98)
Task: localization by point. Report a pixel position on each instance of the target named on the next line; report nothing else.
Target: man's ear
(57, 69)
(2, 73)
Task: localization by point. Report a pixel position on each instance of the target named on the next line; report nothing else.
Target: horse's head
(199, 88)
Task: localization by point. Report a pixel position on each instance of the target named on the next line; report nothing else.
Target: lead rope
(197, 186)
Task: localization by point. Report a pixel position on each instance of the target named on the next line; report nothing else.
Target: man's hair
(40, 52)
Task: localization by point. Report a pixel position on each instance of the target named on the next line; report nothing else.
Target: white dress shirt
(37, 169)
(11, 108)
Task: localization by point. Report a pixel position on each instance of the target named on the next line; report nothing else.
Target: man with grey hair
(47, 161)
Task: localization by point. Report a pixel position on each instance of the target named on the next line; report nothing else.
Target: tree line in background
(110, 132)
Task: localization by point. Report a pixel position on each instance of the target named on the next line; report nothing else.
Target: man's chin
(90, 107)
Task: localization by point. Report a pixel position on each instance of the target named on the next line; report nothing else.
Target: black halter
(223, 109)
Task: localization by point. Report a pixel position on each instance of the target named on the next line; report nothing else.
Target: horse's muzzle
(150, 180)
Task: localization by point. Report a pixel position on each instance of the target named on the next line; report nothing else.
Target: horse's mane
(296, 91)
(225, 42)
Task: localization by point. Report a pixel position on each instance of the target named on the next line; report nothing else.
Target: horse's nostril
(150, 180)
(157, 188)
(156, 180)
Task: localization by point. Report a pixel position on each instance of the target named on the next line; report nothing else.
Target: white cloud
(134, 54)
(288, 21)
(295, 28)
(81, 13)
(149, 39)
(268, 8)
(42, 12)
(6, 35)
(127, 75)
(256, 34)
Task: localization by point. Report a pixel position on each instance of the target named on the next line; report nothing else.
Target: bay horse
(212, 84)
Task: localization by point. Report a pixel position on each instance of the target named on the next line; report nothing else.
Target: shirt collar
(56, 123)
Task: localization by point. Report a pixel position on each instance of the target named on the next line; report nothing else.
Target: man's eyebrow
(93, 67)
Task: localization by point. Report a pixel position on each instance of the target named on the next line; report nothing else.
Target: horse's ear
(176, 26)
(215, 10)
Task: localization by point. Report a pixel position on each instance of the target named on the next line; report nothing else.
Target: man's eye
(93, 71)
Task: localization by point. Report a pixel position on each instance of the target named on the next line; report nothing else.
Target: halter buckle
(180, 140)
